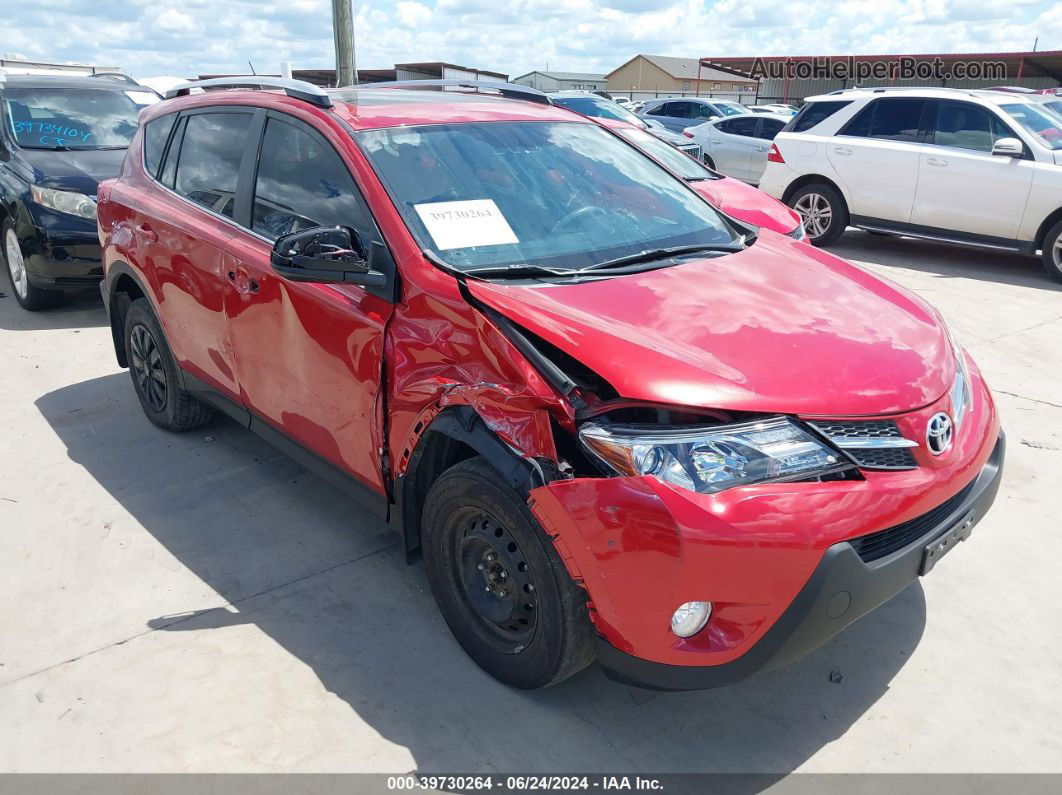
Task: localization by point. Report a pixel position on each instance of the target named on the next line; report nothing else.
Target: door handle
(243, 281)
(936, 161)
(842, 150)
(145, 231)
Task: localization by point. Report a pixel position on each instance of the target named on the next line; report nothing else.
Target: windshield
(1043, 124)
(731, 108)
(682, 164)
(563, 195)
(55, 118)
(600, 107)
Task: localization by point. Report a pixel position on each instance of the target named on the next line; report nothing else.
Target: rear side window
(301, 183)
(156, 133)
(894, 119)
(813, 113)
(209, 163)
(770, 128)
(745, 125)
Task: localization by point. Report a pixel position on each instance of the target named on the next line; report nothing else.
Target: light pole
(343, 35)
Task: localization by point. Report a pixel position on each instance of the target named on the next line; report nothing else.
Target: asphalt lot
(199, 602)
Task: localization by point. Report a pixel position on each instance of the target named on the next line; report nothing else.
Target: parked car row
(617, 416)
(972, 167)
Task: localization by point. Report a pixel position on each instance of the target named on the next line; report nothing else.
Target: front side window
(553, 194)
(703, 111)
(963, 125)
(1044, 125)
(301, 183)
(54, 118)
(209, 162)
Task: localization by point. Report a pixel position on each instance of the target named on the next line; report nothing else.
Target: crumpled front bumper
(841, 589)
(775, 560)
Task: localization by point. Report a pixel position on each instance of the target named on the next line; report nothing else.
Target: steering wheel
(586, 211)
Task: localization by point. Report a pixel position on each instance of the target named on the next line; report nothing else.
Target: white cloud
(412, 14)
(151, 37)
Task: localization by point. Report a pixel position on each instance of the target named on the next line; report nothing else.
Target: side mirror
(1008, 147)
(324, 254)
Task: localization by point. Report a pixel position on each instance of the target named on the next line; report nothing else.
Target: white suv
(974, 167)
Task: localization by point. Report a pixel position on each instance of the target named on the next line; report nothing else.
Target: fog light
(690, 618)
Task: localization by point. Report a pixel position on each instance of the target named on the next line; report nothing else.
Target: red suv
(613, 421)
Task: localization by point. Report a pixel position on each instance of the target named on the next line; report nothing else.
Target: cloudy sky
(151, 38)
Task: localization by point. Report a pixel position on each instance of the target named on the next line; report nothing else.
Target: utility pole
(343, 34)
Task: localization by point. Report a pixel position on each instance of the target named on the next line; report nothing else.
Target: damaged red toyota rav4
(613, 421)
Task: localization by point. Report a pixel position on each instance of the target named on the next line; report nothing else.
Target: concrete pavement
(199, 602)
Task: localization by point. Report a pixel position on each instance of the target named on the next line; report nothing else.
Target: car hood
(747, 204)
(81, 171)
(779, 327)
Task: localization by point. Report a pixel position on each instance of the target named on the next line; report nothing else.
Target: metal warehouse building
(791, 78)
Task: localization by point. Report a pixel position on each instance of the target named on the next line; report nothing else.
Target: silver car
(738, 146)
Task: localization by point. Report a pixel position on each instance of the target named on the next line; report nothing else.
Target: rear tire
(823, 212)
(499, 583)
(29, 296)
(1052, 252)
(154, 373)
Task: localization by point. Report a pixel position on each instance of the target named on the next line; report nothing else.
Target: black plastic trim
(368, 498)
(840, 580)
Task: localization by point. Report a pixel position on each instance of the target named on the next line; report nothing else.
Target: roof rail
(115, 76)
(297, 89)
(507, 90)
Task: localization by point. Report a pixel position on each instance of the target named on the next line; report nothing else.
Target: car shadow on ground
(82, 308)
(302, 564)
(945, 260)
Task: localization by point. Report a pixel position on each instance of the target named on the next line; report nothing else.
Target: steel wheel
(816, 213)
(495, 582)
(16, 264)
(146, 361)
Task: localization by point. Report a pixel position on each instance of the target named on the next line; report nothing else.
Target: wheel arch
(455, 434)
(123, 287)
(811, 179)
(1045, 227)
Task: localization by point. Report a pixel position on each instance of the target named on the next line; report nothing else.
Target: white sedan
(738, 145)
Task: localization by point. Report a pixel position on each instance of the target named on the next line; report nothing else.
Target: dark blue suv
(59, 137)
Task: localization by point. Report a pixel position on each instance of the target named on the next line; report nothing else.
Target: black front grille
(869, 429)
(885, 542)
(883, 458)
(869, 457)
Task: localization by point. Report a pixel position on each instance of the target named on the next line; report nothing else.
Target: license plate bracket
(942, 545)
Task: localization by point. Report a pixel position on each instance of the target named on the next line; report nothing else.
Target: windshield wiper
(47, 148)
(519, 270)
(652, 254)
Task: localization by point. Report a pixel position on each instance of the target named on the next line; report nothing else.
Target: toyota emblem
(939, 433)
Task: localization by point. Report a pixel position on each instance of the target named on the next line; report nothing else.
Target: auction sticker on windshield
(463, 224)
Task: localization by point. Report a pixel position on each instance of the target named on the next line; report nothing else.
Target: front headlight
(65, 201)
(961, 396)
(798, 232)
(710, 459)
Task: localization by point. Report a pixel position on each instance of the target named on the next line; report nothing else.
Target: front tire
(154, 373)
(29, 296)
(1052, 252)
(823, 212)
(499, 583)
